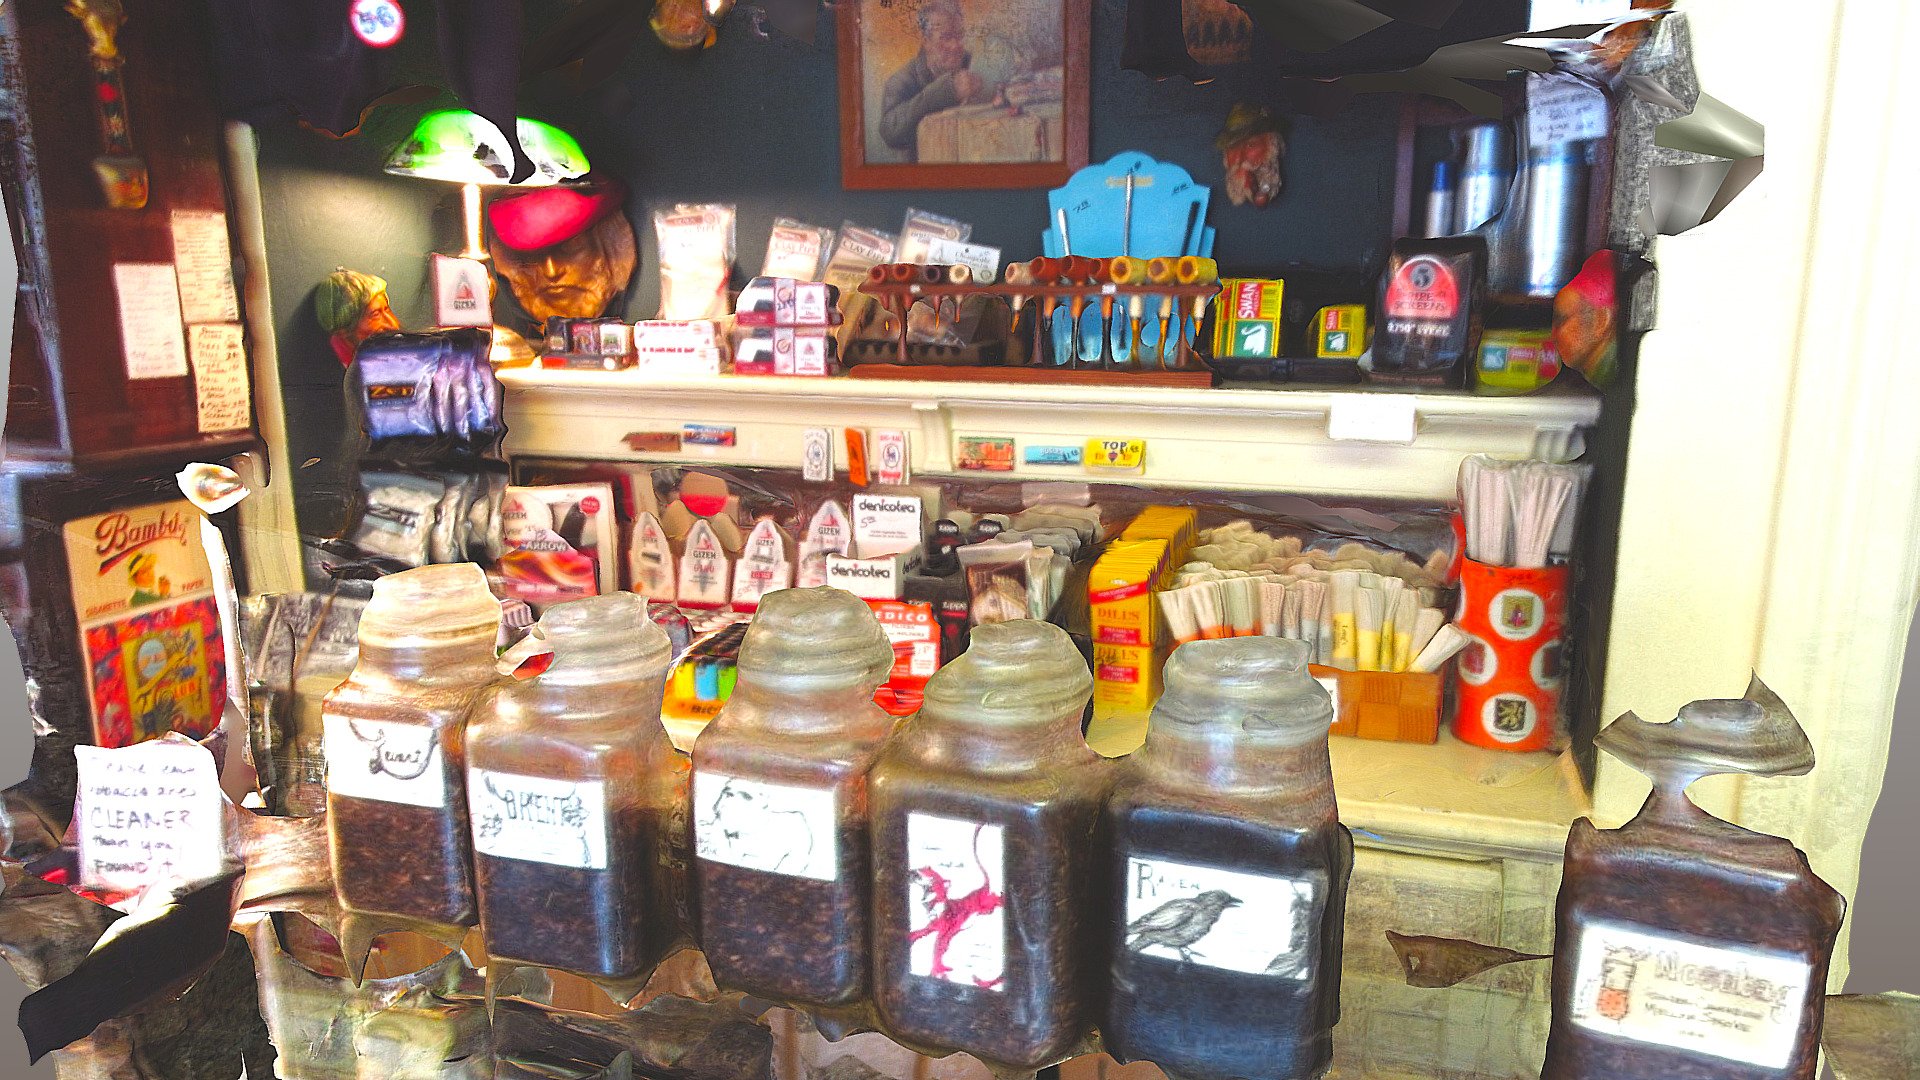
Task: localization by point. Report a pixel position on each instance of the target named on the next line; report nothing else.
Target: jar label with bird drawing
(956, 897)
(384, 761)
(772, 828)
(1249, 923)
(536, 819)
(1734, 1003)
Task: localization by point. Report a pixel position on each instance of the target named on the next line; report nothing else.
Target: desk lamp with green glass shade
(460, 147)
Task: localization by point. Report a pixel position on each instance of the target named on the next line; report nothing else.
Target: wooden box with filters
(1387, 706)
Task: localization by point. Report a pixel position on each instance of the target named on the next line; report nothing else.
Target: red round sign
(378, 23)
(589, 505)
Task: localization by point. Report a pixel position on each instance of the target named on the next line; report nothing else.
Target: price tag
(1117, 455)
(148, 814)
(1385, 418)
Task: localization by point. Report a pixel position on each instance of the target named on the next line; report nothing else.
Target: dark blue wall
(755, 122)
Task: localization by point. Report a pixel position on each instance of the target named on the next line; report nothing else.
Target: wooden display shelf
(1032, 376)
(1228, 439)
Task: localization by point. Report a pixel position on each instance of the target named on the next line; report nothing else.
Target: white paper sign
(1562, 109)
(220, 384)
(536, 819)
(1554, 14)
(1733, 1003)
(1387, 418)
(151, 338)
(956, 901)
(1250, 923)
(150, 814)
(387, 762)
(773, 828)
(204, 262)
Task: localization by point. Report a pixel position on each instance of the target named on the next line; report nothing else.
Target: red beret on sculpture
(542, 217)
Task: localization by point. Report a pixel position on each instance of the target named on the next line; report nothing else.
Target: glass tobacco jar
(780, 801)
(395, 739)
(988, 886)
(1688, 948)
(1230, 871)
(569, 779)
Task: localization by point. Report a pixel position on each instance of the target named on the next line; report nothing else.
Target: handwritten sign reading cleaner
(149, 814)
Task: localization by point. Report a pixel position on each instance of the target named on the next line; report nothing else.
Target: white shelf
(1447, 798)
(1225, 439)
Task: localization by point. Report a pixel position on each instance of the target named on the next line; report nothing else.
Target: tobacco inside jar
(988, 896)
(395, 736)
(569, 777)
(780, 801)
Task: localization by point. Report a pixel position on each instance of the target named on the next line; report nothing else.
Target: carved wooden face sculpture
(576, 278)
(565, 251)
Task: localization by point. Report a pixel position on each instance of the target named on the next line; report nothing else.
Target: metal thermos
(1485, 176)
(1556, 217)
(1440, 200)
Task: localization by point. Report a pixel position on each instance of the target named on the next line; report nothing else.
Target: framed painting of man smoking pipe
(962, 93)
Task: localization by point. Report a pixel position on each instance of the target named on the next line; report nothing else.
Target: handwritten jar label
(956, 900)
(1249, 923)
(385, 761)
(1732, 1003)
(773, 828)
(148, 814)
(535, 819)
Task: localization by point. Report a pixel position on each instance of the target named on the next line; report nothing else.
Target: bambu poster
(149, 628)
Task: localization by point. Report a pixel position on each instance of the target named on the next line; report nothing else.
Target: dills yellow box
(1126, 679)
(1246, 320)
(1120, 590)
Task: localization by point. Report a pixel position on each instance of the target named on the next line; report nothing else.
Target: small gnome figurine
(1250, 147)
(353, 307)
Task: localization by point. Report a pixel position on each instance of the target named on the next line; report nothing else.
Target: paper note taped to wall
(151, 338)
(220, 385)
(204, 261)
(148, 814)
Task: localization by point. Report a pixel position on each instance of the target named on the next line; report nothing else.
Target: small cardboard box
(1247, 321)
(1388, 706)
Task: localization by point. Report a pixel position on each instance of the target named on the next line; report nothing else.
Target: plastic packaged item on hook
(988, 889)
(396, 756)
(569, 782)
(1230, 870)
(1686, 947)
(780, 802)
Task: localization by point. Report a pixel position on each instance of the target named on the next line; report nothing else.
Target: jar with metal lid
(395, 735)
(989, 898)
(780, 801)
(1230, 870)
(569, 782)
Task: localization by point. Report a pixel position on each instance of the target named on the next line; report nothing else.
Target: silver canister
(1556, 217)
(1485, 175)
